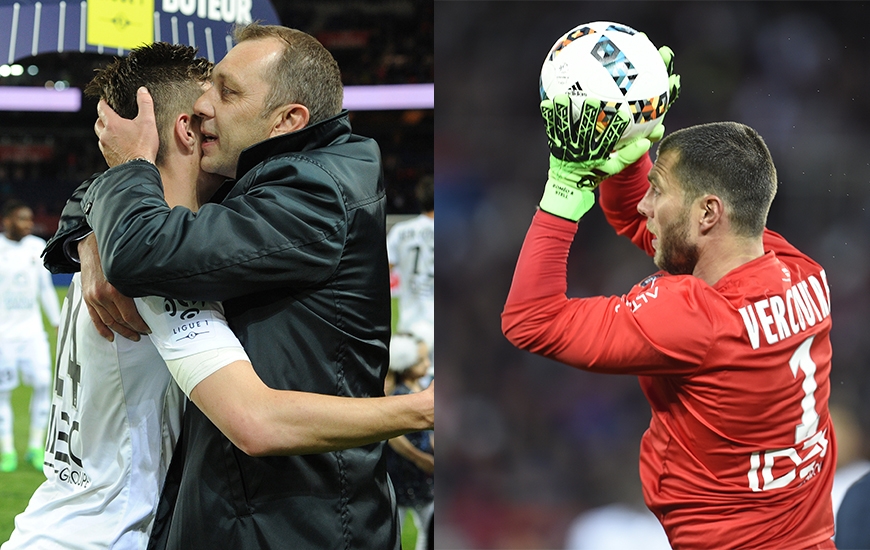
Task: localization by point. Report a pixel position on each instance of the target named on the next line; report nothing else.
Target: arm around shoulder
(277, 233)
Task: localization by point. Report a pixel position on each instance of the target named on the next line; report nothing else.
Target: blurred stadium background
(526, 444)
(45, 155)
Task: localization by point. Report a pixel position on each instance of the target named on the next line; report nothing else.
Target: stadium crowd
(528, 444)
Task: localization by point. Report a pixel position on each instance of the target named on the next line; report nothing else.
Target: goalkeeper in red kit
(730, 340)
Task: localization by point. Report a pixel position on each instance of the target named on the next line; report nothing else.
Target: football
(612, 63)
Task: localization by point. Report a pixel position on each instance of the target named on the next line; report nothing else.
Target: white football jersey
(24, 284)
(115, 419)
(411, 248)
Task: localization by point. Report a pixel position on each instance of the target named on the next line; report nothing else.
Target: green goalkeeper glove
(667, 56)
(581, 155)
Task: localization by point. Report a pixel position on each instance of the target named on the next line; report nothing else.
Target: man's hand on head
(109, 309)
(122, 140)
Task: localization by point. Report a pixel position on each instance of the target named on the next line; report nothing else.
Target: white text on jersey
(781, 316)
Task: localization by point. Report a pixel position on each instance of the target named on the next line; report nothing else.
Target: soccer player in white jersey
(24, 350)
(116, 412)
(411, 252)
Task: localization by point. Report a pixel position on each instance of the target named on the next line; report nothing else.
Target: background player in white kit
(411, 252)
(24, 349)
(116, 413)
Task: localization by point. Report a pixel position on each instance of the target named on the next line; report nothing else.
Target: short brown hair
(729, 160)
(306, 73)
(171, 72)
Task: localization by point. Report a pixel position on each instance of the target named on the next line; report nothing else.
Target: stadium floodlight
(40, 98)
(389, 97)
(356, 98)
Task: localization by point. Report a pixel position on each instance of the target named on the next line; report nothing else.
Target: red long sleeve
(619, 196)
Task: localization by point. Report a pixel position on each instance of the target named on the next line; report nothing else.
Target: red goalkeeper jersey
(740, 452)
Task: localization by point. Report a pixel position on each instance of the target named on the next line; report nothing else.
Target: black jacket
(296, 250)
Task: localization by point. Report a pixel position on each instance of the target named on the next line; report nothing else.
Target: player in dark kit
(730, 340)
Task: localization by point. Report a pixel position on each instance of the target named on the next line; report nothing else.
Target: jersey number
(811, 441)
(59, 444)
(426, 263)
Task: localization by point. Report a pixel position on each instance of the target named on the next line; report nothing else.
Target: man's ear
(183, 133)
(289, 118)
(712, 212)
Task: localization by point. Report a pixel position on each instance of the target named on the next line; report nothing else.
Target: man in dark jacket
(295, 248)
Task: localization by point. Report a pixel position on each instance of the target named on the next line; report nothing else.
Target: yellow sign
(120, 23)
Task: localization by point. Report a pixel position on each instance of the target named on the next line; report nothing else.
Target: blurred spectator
(853, 530)
(24, 349)
(852, 462)
(411, 457)
(617, 527)
(411, 252)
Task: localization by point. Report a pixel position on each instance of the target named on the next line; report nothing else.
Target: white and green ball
(612, 63)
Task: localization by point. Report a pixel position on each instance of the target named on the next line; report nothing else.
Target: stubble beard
(675, 253)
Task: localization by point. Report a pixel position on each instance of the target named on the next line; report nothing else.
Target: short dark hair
(171, 72)
(306, 73)
(729, 160)
(426, 194)
(11, 205)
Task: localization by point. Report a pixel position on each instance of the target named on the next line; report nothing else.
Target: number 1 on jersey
(810, 418)
(805, 433)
